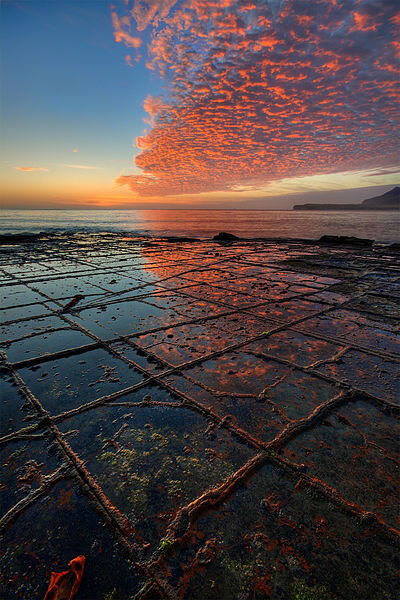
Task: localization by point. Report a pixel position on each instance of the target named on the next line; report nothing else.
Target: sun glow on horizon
(100, 192)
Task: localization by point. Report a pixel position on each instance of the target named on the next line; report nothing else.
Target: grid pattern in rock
(200, 420)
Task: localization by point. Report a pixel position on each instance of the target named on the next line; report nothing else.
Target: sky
(198, 103)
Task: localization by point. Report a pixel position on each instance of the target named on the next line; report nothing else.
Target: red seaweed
(64, 586)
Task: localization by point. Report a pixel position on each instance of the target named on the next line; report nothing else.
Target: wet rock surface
(200, 420)
(345, 240)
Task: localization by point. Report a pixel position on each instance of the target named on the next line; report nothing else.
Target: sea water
(383, 226)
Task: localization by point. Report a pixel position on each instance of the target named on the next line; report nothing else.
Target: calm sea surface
(381, 226)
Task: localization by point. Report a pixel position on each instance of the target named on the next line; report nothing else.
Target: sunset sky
(198, 103)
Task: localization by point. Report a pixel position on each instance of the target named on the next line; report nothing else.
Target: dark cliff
(388, 201)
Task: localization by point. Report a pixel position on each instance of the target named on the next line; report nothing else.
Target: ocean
(382, 226)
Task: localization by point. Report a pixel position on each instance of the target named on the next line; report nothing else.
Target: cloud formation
(27, 169)
(259, 91)
(381, 172)
(122, 31)
(73, 166)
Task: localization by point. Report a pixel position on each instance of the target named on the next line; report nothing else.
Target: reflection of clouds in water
(238, 373)
(296, 347)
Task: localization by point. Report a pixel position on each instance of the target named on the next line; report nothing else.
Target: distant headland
(388, 201)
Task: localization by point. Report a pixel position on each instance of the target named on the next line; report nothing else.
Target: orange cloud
(262, 91)
(27, 169)
(363, 22)
(153, 105)
(121, 31)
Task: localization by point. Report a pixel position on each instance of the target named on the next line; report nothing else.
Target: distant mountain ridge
(388, 201)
